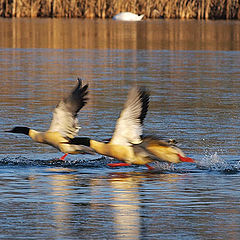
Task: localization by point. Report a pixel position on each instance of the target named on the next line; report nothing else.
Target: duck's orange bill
(186, 159)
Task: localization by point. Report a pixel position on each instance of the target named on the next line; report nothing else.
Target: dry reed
(183, 9)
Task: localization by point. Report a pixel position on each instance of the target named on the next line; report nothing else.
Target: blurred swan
(128, 16)
(127, 143)
(64, 125)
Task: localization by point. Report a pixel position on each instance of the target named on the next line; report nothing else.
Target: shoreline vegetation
(176, 9)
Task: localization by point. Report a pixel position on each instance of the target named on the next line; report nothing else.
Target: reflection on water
(194, 99)
(109, 34)
(60, 188)
(73, 204)
(127, 203)
(126, 207)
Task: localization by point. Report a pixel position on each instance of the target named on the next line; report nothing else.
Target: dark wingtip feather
(79, 82)
(77, 98)
(144, 96)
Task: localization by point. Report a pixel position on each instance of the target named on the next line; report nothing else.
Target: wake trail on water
(27, 162)
(210, 162)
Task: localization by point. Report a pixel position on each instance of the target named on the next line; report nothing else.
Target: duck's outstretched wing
(65, 114)
(129, 125)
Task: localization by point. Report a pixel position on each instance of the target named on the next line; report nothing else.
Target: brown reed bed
(182, 9)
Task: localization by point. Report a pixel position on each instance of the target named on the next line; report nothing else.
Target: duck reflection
(127, 201)
(126, 206)
(61, 188)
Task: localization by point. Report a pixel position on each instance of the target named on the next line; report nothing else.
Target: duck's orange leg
(149, 167)
(63, 157)
(118, 164)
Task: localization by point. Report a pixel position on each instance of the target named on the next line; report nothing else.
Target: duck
(128, 16)
(128, 145)
(64, 125)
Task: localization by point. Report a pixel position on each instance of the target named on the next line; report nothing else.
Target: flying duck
(64, 125)
(127, 143)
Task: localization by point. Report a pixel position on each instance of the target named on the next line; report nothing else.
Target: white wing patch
(129, 125)
(65, 114)
(64, 122)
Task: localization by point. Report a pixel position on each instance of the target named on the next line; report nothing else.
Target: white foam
(214, 162)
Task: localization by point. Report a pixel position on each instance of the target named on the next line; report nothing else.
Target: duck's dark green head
(23, 130)
(80, 141)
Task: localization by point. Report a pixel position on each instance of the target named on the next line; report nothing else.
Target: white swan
(128, 16)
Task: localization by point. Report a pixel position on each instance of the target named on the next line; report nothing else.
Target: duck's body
(127, 143)
(120, 152)
(128, 16)
(123, 153)
(56, 140)
(64, 125)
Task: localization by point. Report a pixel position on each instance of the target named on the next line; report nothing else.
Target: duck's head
(23, 130)
(182, 157)
(180, 154)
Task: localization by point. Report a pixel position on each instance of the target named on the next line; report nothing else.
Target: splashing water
(164, 166)
(214, 162)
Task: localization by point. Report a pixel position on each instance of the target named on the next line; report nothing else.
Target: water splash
(164, 166)
(214, 162)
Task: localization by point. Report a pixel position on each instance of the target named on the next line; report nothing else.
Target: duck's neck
(80, 141)
(100, 147)
(36, 136)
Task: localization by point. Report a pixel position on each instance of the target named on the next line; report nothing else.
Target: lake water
(192, 69)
